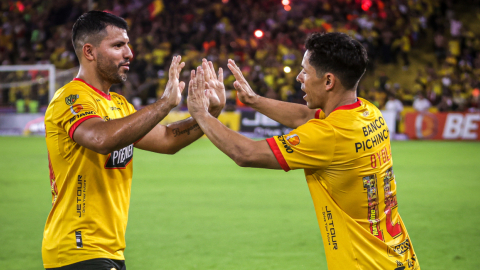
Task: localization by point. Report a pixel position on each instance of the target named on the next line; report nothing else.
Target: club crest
(70, 100)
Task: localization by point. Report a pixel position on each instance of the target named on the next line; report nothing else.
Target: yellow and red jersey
(348, 166)
(90, 191)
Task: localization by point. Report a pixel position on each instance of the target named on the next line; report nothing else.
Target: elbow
(104, 150)
(243, 160)
(171, 151)
(102, 145)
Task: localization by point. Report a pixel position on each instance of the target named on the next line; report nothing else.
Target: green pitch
(198, 210)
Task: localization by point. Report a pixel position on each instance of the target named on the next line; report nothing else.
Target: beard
(109, 71)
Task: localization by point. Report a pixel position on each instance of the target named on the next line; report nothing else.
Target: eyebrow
(120, 42)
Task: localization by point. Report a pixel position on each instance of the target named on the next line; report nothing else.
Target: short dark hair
(93, 23)
(339, 54)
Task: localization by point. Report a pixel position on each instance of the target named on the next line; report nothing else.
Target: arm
(105, 137)
(244, 151)
(289, 114)
(173, 137)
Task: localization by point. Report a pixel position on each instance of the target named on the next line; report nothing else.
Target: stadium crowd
(38, 31)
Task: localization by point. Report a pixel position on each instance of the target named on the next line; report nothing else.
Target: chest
(112, 109)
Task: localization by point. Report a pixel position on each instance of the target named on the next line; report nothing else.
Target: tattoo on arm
(178, 132)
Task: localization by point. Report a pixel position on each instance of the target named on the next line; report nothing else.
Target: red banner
(443, 126)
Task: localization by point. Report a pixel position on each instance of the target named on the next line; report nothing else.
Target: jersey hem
(278, 154)
(86, 258)
(74, 127)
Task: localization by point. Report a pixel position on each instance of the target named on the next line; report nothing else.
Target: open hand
(198, 99)
(244, 91)
(216, 84)
(173, 90)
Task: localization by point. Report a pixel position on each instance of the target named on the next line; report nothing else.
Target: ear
(89, 52)
(330, 81)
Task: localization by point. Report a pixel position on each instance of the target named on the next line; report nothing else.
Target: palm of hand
(214, 83)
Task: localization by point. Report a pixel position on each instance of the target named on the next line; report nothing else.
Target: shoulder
(117, 96)
(316, 128)
(70, 92)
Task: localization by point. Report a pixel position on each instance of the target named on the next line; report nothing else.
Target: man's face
(114, 55)
(311, 85)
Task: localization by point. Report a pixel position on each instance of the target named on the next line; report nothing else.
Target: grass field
(198, 210)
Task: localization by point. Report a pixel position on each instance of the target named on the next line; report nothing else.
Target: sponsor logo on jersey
(330, 229)
(119, 159)
(400, 266)
(76, 108)
(400, 249)
(293, 139)
(78, 116)
(288, 149)
(70, 100)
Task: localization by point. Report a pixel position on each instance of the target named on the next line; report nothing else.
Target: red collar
(350, 106)
(96, 90)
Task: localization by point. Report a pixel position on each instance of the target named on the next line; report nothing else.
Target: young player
(90, 135)
(342, 143)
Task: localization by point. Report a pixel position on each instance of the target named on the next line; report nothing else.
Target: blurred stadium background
(189, 212)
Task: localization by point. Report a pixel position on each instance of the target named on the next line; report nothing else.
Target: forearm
(288, 114)
(180, 134)
(173, 137)
(244, 151)
(105, 137)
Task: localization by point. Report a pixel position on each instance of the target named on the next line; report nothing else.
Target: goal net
(28, 88)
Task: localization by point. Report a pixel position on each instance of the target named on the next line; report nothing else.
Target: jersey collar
(95, 89)
(350, 106)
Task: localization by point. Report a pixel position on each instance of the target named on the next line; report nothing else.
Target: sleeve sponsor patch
(293, 139)
(76, 108)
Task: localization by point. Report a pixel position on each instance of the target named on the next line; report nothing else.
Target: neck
(91, 77)
(346, 98)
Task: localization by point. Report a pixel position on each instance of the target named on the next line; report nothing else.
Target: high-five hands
(173, 90)
(212, 82)
(198, 98)
(244, 91)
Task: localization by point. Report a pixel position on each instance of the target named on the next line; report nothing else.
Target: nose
(299, 77)
(128, 53)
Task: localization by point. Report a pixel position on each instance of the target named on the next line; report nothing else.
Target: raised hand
(244, 91)
(198, 99)
(214, 83)
(173, 90)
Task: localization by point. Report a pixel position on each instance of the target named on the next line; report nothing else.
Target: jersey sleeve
(310, 146)
(73, 107)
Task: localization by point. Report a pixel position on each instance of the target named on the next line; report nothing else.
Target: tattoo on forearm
(178, 132)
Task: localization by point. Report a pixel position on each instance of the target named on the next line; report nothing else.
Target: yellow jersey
(90, 191)
(348, 167)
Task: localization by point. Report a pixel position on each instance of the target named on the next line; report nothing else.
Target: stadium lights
(285, 2)
(287, 69)
(258, 33)
(287, 8)
(366, 4)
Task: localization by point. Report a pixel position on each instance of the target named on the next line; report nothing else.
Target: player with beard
(90, 135)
